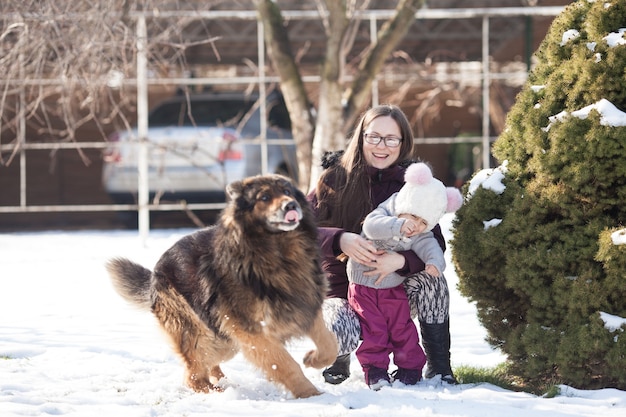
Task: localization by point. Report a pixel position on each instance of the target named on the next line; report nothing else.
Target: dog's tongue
(292, 216)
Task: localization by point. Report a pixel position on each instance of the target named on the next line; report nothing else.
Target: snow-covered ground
(69, 345)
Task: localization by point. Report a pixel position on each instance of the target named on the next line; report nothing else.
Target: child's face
(413, 225)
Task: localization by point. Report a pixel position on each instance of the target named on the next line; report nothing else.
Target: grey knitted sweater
(382, 227)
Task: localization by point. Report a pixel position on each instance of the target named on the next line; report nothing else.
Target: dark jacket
(384, 183)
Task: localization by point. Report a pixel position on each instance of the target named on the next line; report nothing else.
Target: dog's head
(272, 200)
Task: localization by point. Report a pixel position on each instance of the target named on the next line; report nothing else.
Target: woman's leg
(344, 323)
(429, 297)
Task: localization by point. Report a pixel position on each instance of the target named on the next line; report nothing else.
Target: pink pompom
(418, 173)
(455, 199)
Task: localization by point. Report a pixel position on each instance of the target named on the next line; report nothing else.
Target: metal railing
(144, 207)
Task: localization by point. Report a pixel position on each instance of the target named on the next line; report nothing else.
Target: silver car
(197, 145)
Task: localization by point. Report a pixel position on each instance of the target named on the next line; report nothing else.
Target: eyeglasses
(389, 141)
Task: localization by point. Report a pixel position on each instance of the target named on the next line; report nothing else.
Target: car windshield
(203, 112)
(220, 111)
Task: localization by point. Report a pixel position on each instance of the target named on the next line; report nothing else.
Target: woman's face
(381, 156)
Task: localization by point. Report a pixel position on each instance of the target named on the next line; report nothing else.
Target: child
(402, 222)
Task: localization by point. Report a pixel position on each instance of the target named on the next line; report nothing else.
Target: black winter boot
(407, 376)
(376, 378)
(338, 371)
(436, 342)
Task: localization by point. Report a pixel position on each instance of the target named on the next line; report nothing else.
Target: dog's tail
(131, 281)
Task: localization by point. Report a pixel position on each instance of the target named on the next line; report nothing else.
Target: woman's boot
(338, 371)
(436, 342)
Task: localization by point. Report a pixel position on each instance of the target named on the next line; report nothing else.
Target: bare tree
(64, 64)
(338, 103)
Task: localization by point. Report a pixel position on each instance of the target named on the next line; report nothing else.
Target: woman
(355, 182)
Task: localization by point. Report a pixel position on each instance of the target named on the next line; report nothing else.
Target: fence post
(142, 130)
(486, 81)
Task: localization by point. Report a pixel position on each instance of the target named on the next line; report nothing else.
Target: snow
(489, 179)
(613, 39)
(569, 35)
(616, 38)
(619, 237)
(70, 346)
(612, 323)
(610, 115)
(491, 223)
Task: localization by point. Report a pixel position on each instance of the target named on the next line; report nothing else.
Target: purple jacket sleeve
(328, 237)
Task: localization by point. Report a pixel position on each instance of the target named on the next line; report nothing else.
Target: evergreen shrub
(533, 244)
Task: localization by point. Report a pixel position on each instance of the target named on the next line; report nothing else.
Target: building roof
(512, 37)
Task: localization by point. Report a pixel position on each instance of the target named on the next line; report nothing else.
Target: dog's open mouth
(287, 221)
(292, 216)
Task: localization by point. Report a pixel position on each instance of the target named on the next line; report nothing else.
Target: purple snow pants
(386, 327)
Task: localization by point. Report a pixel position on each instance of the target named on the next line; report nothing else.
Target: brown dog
(250, 282)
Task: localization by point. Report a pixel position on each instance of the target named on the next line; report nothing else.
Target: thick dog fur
(249, 283)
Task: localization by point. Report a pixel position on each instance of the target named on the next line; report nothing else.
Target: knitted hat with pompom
(425, 196)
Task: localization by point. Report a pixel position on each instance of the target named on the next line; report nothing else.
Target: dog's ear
(238, 195)
(234, 190)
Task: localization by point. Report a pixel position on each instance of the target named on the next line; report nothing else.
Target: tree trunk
(292, 87)
(389, 36)
(329, 133)
(338, 106)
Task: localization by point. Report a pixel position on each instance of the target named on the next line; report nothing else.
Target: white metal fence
(143, 81)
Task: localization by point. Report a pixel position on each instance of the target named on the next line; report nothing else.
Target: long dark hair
(343, 191)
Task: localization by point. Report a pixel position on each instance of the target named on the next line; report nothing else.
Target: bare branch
(73, 59)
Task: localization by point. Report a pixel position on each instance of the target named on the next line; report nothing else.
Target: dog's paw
(308, 393)
(202, 385)
(216, 376)
(312, 359)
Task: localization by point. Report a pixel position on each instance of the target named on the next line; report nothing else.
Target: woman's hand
(385, 264)
(364, 252)
(358, 248)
